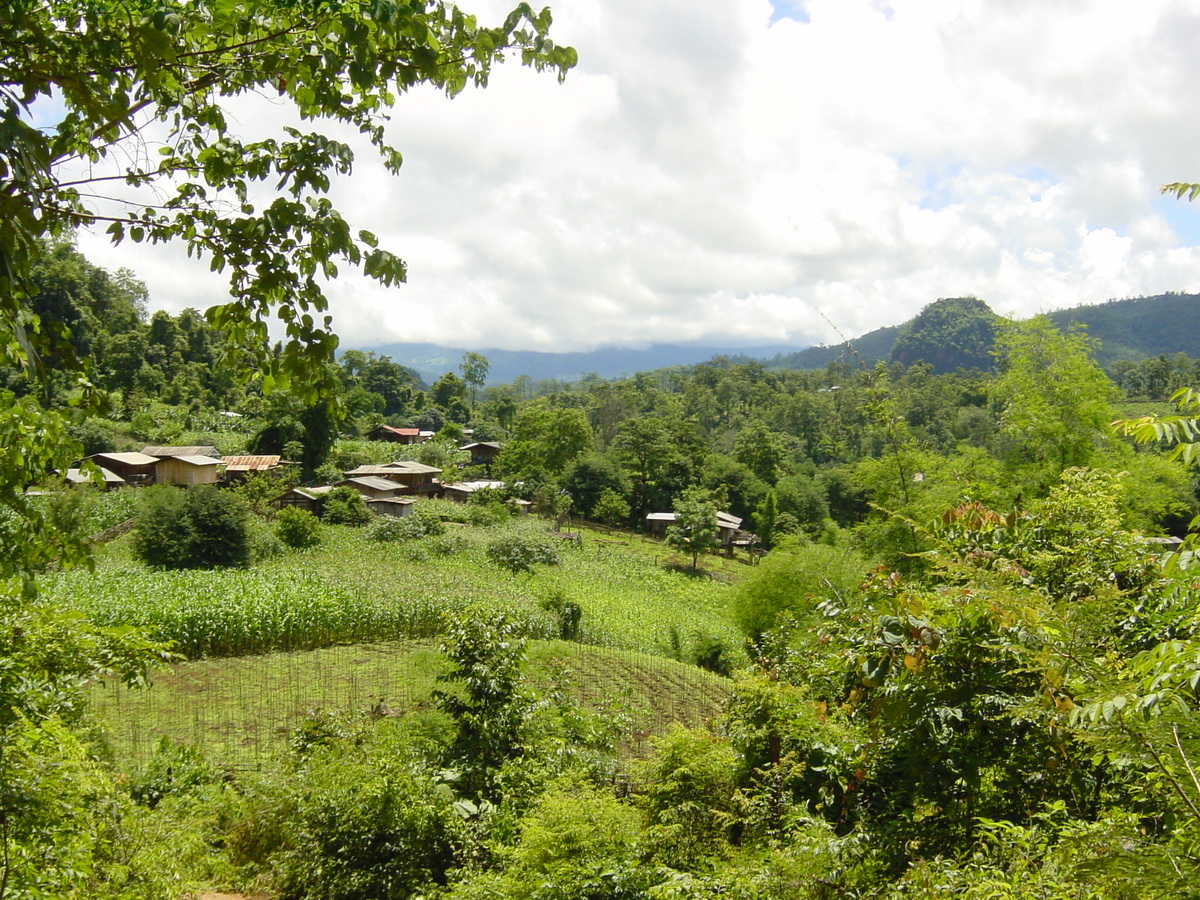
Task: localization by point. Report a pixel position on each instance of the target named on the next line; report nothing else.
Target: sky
(749, 173)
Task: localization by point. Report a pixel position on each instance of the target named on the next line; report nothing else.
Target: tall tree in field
(695, 528)
(474, 368)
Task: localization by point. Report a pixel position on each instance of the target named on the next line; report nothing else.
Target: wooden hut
(132, 468)
(392, 506)
(188, 470)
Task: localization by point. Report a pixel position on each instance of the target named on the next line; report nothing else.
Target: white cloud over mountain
(707, 173)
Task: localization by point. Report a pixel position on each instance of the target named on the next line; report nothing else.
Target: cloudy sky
(742, 172)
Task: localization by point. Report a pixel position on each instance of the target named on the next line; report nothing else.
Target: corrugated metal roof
(129, 459)
(471, 486)
(372, 470)
(197, 460)
(374, 483)
(410, 467)
(165, 451)
(76, 476)
(724, 519)
(250, 462)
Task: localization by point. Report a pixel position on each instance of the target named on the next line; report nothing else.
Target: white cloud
(708, 174)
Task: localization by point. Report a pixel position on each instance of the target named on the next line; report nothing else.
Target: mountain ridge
(1131, 328)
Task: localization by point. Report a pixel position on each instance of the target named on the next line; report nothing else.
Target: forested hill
(1139, 327)
(1133, 329)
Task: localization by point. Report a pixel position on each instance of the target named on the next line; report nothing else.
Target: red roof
(407, 432)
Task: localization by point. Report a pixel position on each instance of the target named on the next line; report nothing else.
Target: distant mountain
(1134, 328)
(432, 361)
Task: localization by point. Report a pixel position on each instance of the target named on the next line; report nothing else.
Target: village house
(192, 465)
(308, 499)
(188, 470)
(372, 487)
(132, 468)
(414, 477)
(395, 435)
(483, 453)
(727, 525)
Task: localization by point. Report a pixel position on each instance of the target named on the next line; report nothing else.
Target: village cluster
(388, 489)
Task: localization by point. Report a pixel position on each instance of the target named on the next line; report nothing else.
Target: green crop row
(352, 589)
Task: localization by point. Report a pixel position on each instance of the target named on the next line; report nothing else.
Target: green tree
(588, 478)
(546, 439)
(695, 528)
(491, 708)
(474, 368)
(298, 528)
(345, 506)
(762, 450)
(765, 517)
(196, 528)
(1053, 399)
(611, 508)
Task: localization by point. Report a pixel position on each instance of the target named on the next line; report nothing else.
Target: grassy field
(352, 624)
(633, 593)
(239, 712)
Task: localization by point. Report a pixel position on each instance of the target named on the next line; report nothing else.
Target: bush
(390, 529)
(567, 611)
(197, 528)
(521, 554)
(298, 528)
(345, 506)
(791, 582)
(405, 528)
(365, 828)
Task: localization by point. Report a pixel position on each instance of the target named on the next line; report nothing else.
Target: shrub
(174, 769)
(611, 508)
(389, 529)
(345, 506)
(568, 612)
(405, 528)
(298, 528)
(197, 528)
(366, 828)
(520, 554)
(486, 514)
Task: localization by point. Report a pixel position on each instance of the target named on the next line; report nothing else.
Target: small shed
(309, 498)
(133, 468)
(392, 506)
(188, 470)
(78, 476)
(483, 453)
(372, 487)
